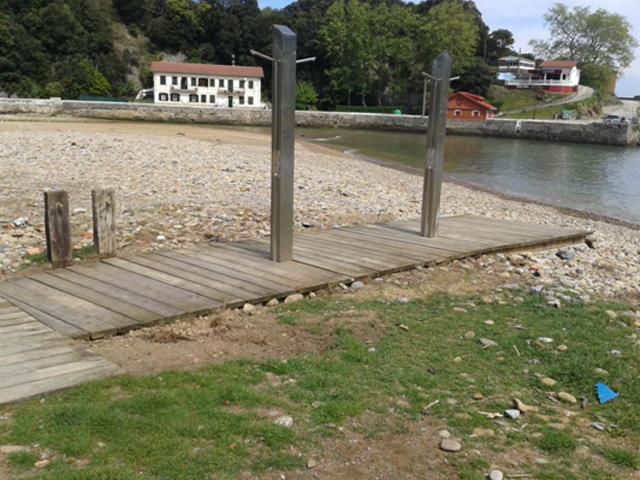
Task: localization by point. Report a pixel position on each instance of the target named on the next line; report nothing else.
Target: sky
(524, 19)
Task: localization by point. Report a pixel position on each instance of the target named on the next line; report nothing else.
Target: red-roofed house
(554, 76)
(466, 106)
(200, 84)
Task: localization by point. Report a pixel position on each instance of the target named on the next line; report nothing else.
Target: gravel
(176, 191)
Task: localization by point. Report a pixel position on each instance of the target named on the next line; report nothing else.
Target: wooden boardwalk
(118, 294)
(35, 359)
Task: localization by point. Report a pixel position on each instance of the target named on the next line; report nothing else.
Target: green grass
(211, 423)
(622, 457)
(83, 253)
(507, 100)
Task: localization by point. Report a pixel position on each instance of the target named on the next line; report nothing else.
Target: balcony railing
(539, 82)
(235, 91)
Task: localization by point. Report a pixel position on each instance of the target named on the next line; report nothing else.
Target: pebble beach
(175, 190)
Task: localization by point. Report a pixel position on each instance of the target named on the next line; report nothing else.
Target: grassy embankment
(519, 104)
(211, 423)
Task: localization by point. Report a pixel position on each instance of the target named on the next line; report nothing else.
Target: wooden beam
(104, 224)
(57, 227)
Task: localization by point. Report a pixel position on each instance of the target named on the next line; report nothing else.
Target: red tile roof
(207, 69)
(559, 64)
(477, 99)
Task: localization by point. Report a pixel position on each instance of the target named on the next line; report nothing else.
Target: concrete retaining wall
(561, 131)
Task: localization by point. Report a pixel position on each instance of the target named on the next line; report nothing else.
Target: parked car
(615, 120)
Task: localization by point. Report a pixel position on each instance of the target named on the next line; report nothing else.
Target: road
(626, 108)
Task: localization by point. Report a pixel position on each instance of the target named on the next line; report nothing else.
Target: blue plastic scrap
(604, 393)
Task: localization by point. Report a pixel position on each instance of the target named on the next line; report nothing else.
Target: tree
(598, 38)
(499, 44)
(306, 94)
(599, 77)
(448, 28)
(476, 78)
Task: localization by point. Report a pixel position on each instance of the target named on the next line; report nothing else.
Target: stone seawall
(561, 131)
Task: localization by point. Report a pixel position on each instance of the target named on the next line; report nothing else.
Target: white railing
(540, 82)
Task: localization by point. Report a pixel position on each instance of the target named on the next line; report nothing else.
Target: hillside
(369, 52)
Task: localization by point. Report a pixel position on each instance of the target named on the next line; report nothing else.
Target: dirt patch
(263, 335)
(230, 335)
(409, 453)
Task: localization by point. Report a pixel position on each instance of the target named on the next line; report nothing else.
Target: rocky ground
(176, 188)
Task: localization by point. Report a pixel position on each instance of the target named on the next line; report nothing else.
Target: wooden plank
(157, 308)
(182, 300)
(383, 254)
(55, 323)
(134, 312)
(41, 351)
(51, 384)
(306, 275)
(44, 360)
(217, 267)
(51, 371)
(57, 227)
(250, 267)
(103, 202)
(224, 293)
(35, 343)
(68, 308)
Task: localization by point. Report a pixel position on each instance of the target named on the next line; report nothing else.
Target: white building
(224, 86)
(512, 67)
(554, 76)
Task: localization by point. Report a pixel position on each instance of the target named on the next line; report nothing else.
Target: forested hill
(370, 52)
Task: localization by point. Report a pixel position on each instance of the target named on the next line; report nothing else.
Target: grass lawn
(218, 422)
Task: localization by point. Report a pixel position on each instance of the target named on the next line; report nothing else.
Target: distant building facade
(553, 76)
(512, 67)
(222, 86)
(464, 106)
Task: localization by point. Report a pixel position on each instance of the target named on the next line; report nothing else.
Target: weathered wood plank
(182, 300)
(103, 203)
(57, 227)
(98, 297)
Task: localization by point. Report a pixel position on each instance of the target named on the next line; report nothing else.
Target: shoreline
(223, 133)
(574, 212)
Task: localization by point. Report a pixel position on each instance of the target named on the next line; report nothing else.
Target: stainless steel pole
(282, 144)
(441, 71)
(424, 96)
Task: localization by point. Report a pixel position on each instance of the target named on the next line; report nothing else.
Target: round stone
(450, 445)
(495, 475)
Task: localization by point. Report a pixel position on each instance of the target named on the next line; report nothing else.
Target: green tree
(597, 38)
(499, 44)
(599, 77)
(306, 94)
(476, 78)
(448, 27)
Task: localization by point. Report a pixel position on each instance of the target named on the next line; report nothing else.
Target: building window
(221, 82)
(241, 83)
(241, 100)
(203, 99)
(230, 85)
(475, 113)
(194, 81)
(193, 98)
(203, 82)
(175, 97)
(457, 113)
(250, 100)
(212, 99)
(174, 80)
(250, 83)
(163, 97)
(212, 82)
(163, 80)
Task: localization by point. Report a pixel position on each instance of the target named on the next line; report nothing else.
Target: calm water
(594, 178)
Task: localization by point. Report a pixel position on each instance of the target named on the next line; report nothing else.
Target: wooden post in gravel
(103, 203)
(57, 227)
